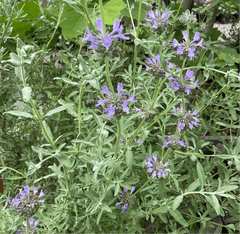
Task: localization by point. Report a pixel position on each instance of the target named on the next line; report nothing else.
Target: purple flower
(179, 83)
(121, 104)
(27, 202)
(156, 167)
(188, 48)
(102, 43)
(31, 222)
(187, 119)
(30, 229)
(156, 20)
(126, 199)
(173, 142)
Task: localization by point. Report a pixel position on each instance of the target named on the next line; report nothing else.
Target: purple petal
(196, 83)
(118, 204)
(131, 99)
(195, 112)
(189, 74)
(165, 144)
(181, 126)
(154, 174)
(36, 223)
(165, 15)
(27, 189)
(182, 143)
(125, 107)
(175, 43)
(133, 188)
(35, 189)
(150, 170)
(100, 101)
(187, 89)
(151, 15)
(191, 53)
(180, 50)
(125, 189)
(119, 87)
(155, 157)
(31, 221)
(115, 26)
(107, 42)
(185, 34)
(89, 36)
(42, 194)
(166, 163)
(99, 25)
(200, 44)
(105, 90)
(138, 141)
(124, 208)
(110, 111)
(175, 85)
(196, 37)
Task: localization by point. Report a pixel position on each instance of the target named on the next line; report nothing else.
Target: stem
(142, 186)
(118, 138)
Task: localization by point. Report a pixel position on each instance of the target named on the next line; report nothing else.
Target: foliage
(145, 139)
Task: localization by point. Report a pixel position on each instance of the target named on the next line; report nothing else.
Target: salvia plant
(117, 117)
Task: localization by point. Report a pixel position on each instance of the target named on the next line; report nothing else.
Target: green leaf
(210, 58)
(129, 159)
(194, 185)
(112, 10)
(227, 188)
(99, 216)
(177, 202)
(237, 163)
(26, 91)
(13, 178)
(201, 174)
(106, 208)
(72, 22)
(233, 113)
(19, 113)
(62, 158)
(178, 217)
(216, 204)
(59, 109)
(48, 130)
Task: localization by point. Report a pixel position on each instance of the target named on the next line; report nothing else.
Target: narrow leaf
(19, 113)
(26, 91)
(177, 202)
(178, 217)
(201, 174)
(194, 185)
(59, 109)
(216, 204)
(129, 159)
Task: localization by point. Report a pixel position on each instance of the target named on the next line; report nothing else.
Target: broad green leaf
(177, 202)
(201, 174)
(112, 10)
(59, 109)
(62, 158)
(194, 185)
(227, 188)
(26, 91)
(237, 163)
(19, 113)
(71, 22)
(116, 190)
(106, 208)
(129, 159)
(178, 217)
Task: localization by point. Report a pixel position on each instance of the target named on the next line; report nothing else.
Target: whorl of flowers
(188, 18)
(31, 229)
(26, 202)
(155, 66)
(157, 168)
(121, 101)
(188, 47)
(184, 83)
(126, 200)
(187, 119)
(173, 142)
(106, 43)
(157, 20)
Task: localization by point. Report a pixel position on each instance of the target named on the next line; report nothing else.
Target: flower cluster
(156, 168)
(188, 47)
(121, 101)
(157, 21)
(188, 18)
(173, 142)
(155, 67)
(106, 44)
(186, 118)
(27, 202)
(31, 229)
(179, 83)
(126, 200)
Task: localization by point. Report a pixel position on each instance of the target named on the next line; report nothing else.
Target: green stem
(142, 187)
(118, 138)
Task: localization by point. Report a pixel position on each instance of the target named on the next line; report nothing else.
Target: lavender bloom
(126, 200)
(179, 84)
(173, 142)
(106, 44)
(31, 229)
(157, 20)
(27, 202)
(156, 168)
(121, 101)
(190, 48)
(187, 119)
(188, 18)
